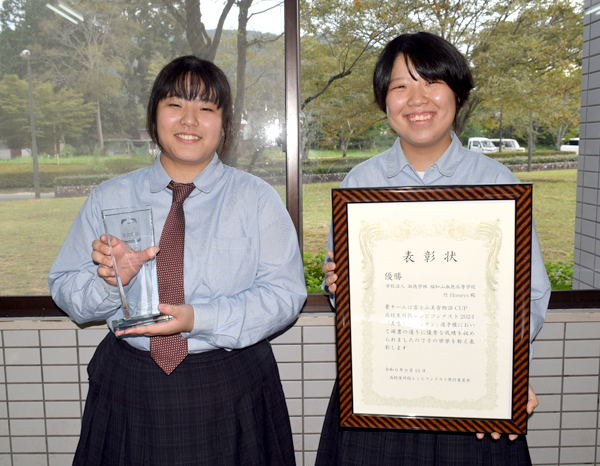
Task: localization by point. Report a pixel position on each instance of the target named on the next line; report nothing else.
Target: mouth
(188, 137)
(420, 117)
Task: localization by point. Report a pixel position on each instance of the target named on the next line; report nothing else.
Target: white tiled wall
(565, 374)
(586, 271)
(43, 384)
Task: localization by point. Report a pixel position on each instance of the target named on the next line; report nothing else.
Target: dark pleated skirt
(220, 408)
(350, 447)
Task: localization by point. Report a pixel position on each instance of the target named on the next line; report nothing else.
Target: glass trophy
(130, 232)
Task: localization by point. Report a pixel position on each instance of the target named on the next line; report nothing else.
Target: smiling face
(189, 132)
(421, 112)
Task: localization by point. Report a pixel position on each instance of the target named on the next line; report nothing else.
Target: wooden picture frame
(433, 301)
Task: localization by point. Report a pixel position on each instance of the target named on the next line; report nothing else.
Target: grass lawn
(553, 209)
(554, 201)
(32, 231)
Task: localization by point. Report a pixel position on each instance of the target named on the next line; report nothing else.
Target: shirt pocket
(232, 265)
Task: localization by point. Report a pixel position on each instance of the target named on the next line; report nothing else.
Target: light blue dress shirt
(243, 271)
(456, 166)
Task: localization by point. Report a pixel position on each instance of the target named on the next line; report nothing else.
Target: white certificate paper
(432, 308)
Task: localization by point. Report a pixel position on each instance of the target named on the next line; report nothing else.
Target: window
(92, 64)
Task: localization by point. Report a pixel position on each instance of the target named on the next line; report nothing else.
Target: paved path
(23, 196)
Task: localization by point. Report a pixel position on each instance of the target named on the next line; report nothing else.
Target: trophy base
(123, 324)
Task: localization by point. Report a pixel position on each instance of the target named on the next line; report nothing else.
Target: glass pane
(342, 127)
(92, 65)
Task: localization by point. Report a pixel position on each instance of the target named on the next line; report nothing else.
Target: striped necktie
(170, 350)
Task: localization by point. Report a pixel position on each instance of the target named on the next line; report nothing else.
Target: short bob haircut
(432, 57)
(191, 78)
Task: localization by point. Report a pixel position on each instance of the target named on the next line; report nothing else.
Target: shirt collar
(446, 164)
(205, 181)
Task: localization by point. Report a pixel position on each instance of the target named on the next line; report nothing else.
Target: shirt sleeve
(540, 284)
(73, 280)
(540, 290)
(277, 293)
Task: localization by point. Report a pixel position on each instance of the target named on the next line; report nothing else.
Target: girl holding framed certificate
(421, 82)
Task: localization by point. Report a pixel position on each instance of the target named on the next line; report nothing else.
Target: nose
(418, 96)
(189, 118)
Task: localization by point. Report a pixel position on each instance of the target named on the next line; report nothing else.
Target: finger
(328, 267)
(495, 435)
(107, 274)
(99, 246)
(167, 309)
(533, 401)
(102, 259)
(330, 254)
(161, 328)
(480, 435)
(332, 288)
(331, 279)
(512, 437)
(149, 253)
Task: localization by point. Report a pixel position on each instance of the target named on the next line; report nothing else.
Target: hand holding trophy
(130, 238)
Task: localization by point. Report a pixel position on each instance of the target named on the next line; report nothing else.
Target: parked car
(571, 146)
(481, 145)
(508, 145)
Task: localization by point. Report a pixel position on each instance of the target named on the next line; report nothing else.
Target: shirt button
(432, 169)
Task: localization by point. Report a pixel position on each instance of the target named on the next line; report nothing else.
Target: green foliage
(560, 275)
(338, 165)
(313, 272)
(20, 29)
(57, 113)
(18, 173)
(67, 151)
(522, 159)
(123, 164)
(83, 150)
(81, 180)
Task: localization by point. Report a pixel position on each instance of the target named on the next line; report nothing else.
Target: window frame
(44, 306)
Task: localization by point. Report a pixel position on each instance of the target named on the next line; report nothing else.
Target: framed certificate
(432, 299)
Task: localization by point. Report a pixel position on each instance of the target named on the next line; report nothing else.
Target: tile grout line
(10, 449)
(562, 392)
(39, 332)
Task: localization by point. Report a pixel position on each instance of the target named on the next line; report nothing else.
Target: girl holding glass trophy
(200, 386)
(421, 81)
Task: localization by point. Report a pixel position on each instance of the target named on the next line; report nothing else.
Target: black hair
(432, 57)
(190, 78)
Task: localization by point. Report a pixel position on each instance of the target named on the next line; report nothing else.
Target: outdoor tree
(264, 89)
(500, 39)
(59, 115)
(14, 112)
(205, 44)
(188, 14)
(348, 112)
(91, 56)
(533, 66)
(19, 29)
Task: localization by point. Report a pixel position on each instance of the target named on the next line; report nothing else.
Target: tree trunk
(99, 128)
(231, 158)
(462, 118)
(560, 134)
